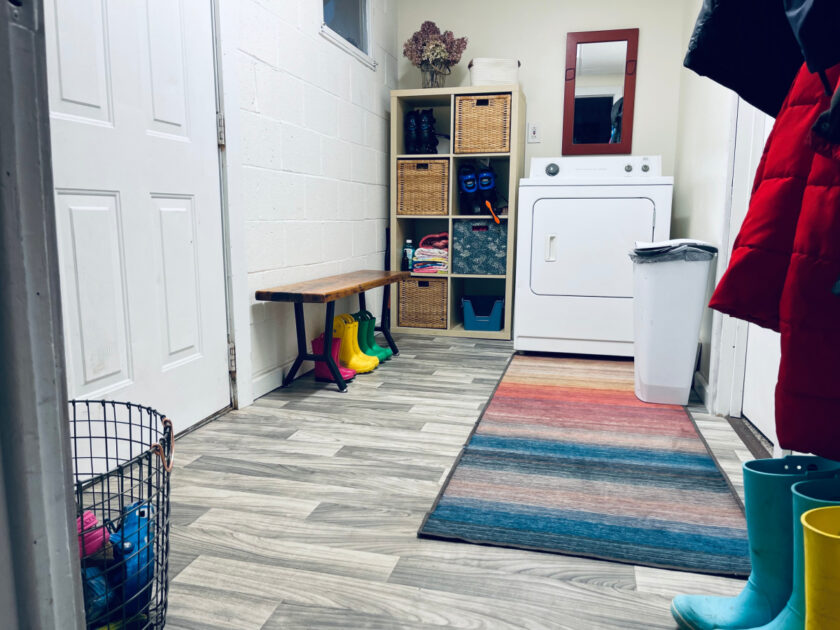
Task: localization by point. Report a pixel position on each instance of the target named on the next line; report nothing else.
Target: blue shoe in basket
(134, 551)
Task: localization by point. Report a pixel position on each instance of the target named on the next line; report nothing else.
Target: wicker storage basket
(422, 187)
(482, 123)
(422, 303)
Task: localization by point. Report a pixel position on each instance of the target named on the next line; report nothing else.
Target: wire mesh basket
(122, 460)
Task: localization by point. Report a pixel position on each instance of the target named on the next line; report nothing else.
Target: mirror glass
(599, 92)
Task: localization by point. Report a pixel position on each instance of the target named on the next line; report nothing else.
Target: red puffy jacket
(785, 262)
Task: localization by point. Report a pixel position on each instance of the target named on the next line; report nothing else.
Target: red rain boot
(322, 370)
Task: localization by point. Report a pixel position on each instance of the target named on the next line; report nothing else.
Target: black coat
(816, 27)
(747, 46)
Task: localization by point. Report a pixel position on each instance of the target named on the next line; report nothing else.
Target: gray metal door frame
(40, 575)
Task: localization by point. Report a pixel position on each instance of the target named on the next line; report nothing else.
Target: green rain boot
(386, 352)
(807, 495)
(366, 325)
(769, 511)
(363, 345)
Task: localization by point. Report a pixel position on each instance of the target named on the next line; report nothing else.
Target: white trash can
(670, 281)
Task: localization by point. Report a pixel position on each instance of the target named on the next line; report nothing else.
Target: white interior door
(580, 246)
(135, 163)
(763, 346)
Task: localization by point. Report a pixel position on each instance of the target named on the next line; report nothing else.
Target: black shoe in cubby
(411, 132)
(428, 140)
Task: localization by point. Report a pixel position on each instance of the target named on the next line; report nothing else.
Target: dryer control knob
(628, 167)
(552, 169)
(645, 168)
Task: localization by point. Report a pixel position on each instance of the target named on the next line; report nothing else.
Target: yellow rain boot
(354, 325)
(822, 568)
(349, 356)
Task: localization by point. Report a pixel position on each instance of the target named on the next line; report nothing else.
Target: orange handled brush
(490, 208)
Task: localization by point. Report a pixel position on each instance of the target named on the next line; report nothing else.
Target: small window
(349, 20)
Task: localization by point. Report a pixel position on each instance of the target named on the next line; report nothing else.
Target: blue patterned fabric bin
(479, 246)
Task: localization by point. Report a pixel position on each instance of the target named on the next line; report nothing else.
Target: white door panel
(135, 164)
(580, 246)
(764, 353)
(762, 373)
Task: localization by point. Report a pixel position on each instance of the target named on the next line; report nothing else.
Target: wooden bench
(327, 291)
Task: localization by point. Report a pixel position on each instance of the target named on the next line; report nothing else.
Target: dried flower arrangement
(434, 52)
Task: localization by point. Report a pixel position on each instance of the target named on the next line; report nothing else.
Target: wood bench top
(331, 288)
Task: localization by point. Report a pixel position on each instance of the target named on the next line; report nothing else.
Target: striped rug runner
(566, 459)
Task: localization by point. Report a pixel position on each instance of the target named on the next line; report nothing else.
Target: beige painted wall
(534, 31)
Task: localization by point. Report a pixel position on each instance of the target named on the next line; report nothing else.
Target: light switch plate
(533, 133)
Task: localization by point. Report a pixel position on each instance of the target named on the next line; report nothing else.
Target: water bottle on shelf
(408, 255)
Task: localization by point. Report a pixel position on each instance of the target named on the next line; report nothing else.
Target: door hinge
(231, 357)
(220, 129)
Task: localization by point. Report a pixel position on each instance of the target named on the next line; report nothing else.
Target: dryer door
(580, 247)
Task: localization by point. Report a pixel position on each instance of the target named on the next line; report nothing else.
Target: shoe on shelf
(428, 140)
(411, 132)
(322, 370)
(468, 198)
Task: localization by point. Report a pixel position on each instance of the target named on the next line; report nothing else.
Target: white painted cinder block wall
(314, 133)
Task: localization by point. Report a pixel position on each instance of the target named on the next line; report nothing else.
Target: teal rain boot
(807, 495)
(769, 512)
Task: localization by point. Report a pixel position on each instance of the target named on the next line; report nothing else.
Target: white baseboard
(272, 379)
(701, 386)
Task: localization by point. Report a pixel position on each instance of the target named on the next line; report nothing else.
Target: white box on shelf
(488, 71)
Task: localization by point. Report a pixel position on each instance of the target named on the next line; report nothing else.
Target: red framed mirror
(600, 90)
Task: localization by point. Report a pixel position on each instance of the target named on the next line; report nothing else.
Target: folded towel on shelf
(434, 241)
(431, 263)
(429, 270)
(431, 260)
(431, 252)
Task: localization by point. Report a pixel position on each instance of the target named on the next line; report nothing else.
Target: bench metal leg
(385, 324)
(328, 338)
(300, 327)
(387, 332)
(303, 355)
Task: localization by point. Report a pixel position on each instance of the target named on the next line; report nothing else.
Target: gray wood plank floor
(301, 512)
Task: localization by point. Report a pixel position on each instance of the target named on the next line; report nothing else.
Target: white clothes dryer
(579, 218)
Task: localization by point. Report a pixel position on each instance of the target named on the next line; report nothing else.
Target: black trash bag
(676, 249)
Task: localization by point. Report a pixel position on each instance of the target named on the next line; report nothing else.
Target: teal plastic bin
(483, 312)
